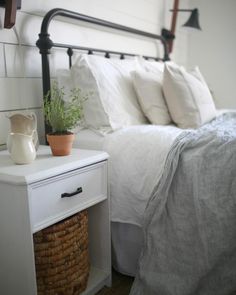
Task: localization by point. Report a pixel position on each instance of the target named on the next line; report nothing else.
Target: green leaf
(63, 115)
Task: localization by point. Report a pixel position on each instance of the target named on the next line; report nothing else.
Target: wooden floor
(121, 285)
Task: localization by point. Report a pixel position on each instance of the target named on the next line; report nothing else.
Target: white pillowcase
(151, 66)
(148, 87)
(188, 97)
(65, 81)
(112, 102)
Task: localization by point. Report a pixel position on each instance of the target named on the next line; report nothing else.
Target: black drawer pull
(68, 195)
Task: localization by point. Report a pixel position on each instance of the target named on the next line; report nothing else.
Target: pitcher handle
(35, 120)
(35, 139)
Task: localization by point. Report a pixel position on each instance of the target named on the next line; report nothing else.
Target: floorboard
(121, 285)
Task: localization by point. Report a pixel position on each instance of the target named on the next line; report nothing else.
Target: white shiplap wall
(20, 66)
(213, 49)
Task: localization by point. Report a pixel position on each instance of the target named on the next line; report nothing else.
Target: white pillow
(65, 81)
(188, 97)
(148, 87)
(150, 65)
(112, 102)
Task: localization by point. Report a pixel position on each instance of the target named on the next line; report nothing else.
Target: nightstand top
(45, 165)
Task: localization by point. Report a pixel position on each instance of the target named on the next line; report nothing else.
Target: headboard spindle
(70, 53)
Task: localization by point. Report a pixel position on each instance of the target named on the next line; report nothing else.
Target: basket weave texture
(62, 256)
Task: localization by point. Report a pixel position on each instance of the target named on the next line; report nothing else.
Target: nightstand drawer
(58, 197)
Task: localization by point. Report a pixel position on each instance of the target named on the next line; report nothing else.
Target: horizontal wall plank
(20, 93)
(129, 20)
(22, 61)
(42, 6)
(142, 10)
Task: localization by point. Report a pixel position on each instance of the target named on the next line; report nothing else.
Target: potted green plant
(62, 116)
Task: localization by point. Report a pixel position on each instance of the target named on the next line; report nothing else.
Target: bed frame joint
(44, 43)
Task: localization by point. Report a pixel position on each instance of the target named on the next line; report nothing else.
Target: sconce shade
(193, 21)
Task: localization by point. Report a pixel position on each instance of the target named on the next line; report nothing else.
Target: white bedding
(137, 157)
(89, 139)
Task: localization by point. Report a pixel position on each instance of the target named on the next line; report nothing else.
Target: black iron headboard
(45, 44)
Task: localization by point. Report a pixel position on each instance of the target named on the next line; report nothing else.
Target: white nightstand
(30, 200)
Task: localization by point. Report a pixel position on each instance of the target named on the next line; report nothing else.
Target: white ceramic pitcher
(21, 148)
(25, 123)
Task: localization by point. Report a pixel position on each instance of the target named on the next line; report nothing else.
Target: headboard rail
(107, 53)
(45, 44)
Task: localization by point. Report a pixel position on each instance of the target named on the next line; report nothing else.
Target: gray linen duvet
(190, 220)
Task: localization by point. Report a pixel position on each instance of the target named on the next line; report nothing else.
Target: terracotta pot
(60, 145)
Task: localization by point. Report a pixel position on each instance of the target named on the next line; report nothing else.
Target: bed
(157, 171)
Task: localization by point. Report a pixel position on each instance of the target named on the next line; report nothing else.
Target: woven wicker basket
(61, 256)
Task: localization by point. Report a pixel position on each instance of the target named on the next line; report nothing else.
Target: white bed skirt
(127, 241)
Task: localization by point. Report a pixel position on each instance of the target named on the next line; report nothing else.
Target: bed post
(44, 44)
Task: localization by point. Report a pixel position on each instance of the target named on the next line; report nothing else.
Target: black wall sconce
(192, 22)
(10, 11)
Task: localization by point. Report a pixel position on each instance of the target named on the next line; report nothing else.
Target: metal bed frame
(45, 44)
